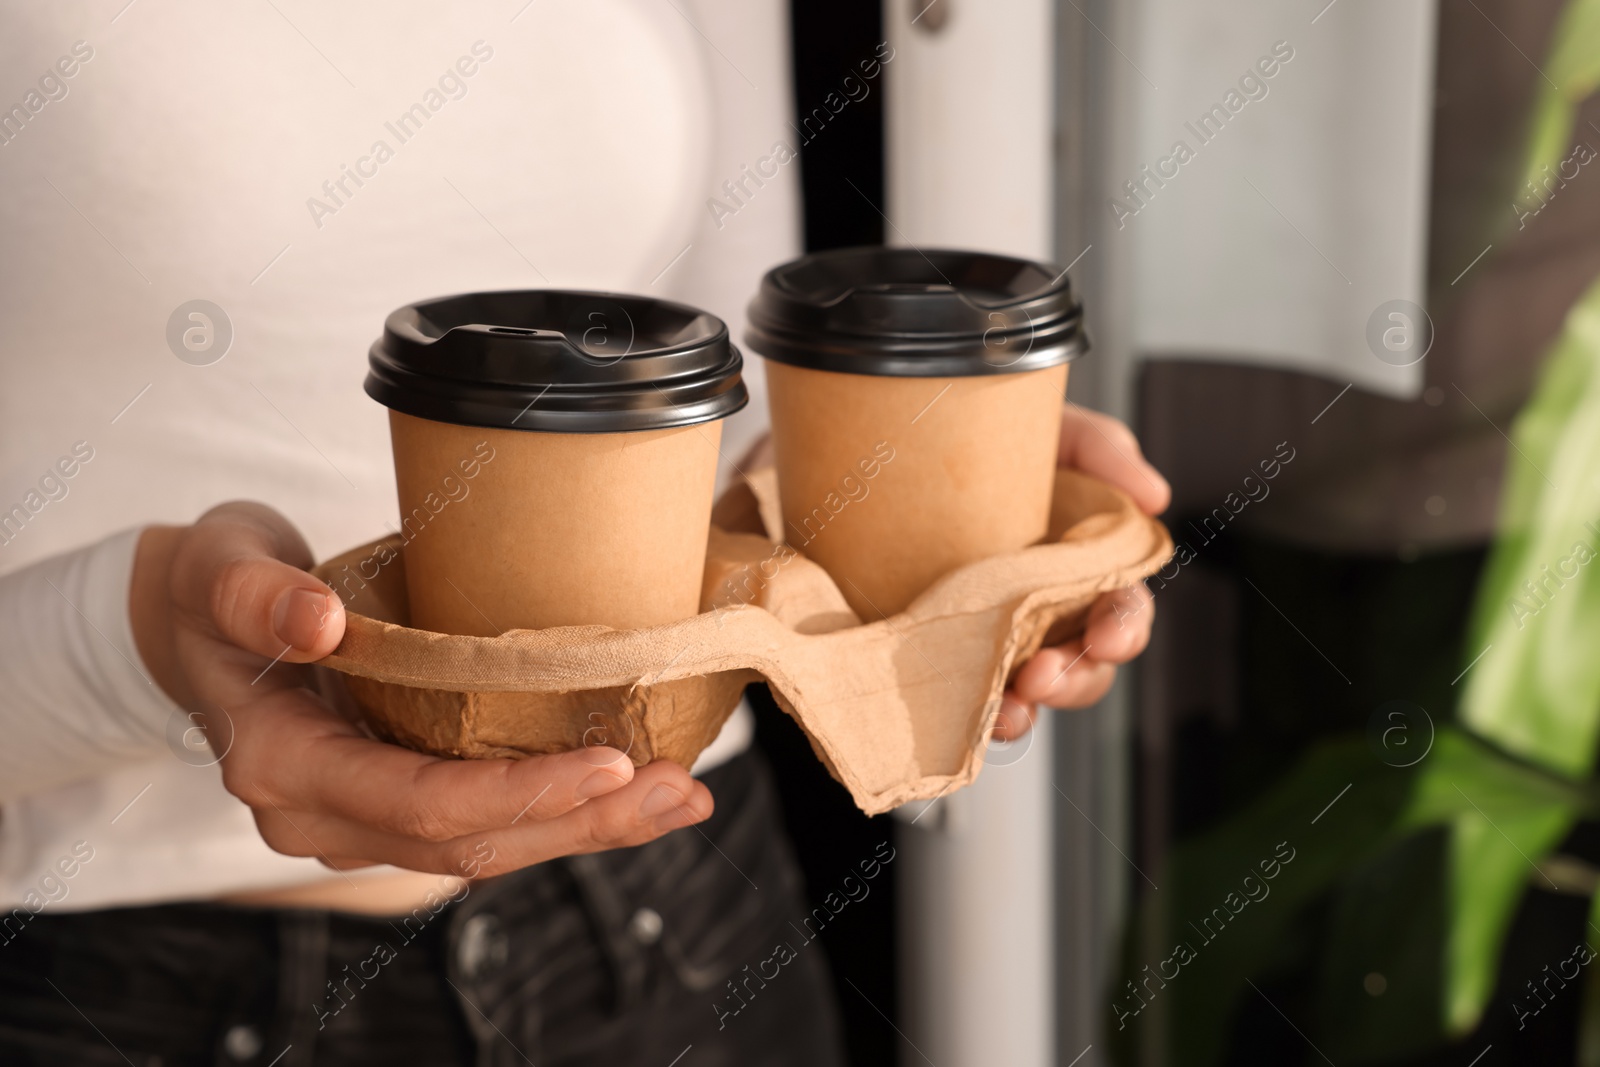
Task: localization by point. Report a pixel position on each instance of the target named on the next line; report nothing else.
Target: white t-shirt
(306, 168)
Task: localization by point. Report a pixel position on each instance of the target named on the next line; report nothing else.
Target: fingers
(238, 572)
(439, 800)
(291, 750)
(661, 798)
(1104, 448)
(1064, 677)
(320, 789)
(1014, 718)
(1119, 624)
(1080, 672)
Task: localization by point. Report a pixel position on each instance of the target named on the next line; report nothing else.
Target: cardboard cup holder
(898, 710)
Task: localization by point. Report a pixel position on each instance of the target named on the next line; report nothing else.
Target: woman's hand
(225, 616)
(1078, 673)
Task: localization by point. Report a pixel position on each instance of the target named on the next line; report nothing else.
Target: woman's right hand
(216, 603)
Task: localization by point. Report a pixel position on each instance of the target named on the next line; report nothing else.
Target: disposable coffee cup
(556, 456)
(916, 401)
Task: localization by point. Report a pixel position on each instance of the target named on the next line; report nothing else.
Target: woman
(304, 170)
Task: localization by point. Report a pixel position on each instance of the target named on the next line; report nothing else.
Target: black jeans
(619, 958)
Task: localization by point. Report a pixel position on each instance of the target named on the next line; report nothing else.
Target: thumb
(238, 572)
(1104, 448)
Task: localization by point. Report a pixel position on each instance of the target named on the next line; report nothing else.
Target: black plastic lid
(919, 314)
(558, 361)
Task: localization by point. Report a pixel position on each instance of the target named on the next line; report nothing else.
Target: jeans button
(482, 947)
(646, 926)
(243, 1043)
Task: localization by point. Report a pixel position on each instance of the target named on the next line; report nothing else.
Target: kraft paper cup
(555, 454)
(916, 404)
(887, 504)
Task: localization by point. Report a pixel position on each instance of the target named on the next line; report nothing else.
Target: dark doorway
(841, 159)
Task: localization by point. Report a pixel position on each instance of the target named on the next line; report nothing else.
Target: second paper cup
(916, 404)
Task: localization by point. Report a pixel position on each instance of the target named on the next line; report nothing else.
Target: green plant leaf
(1201, 1002)
(1535, 691)
(1340, 809)
(1491, 866)
(1464, 775)
(1570, 75)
